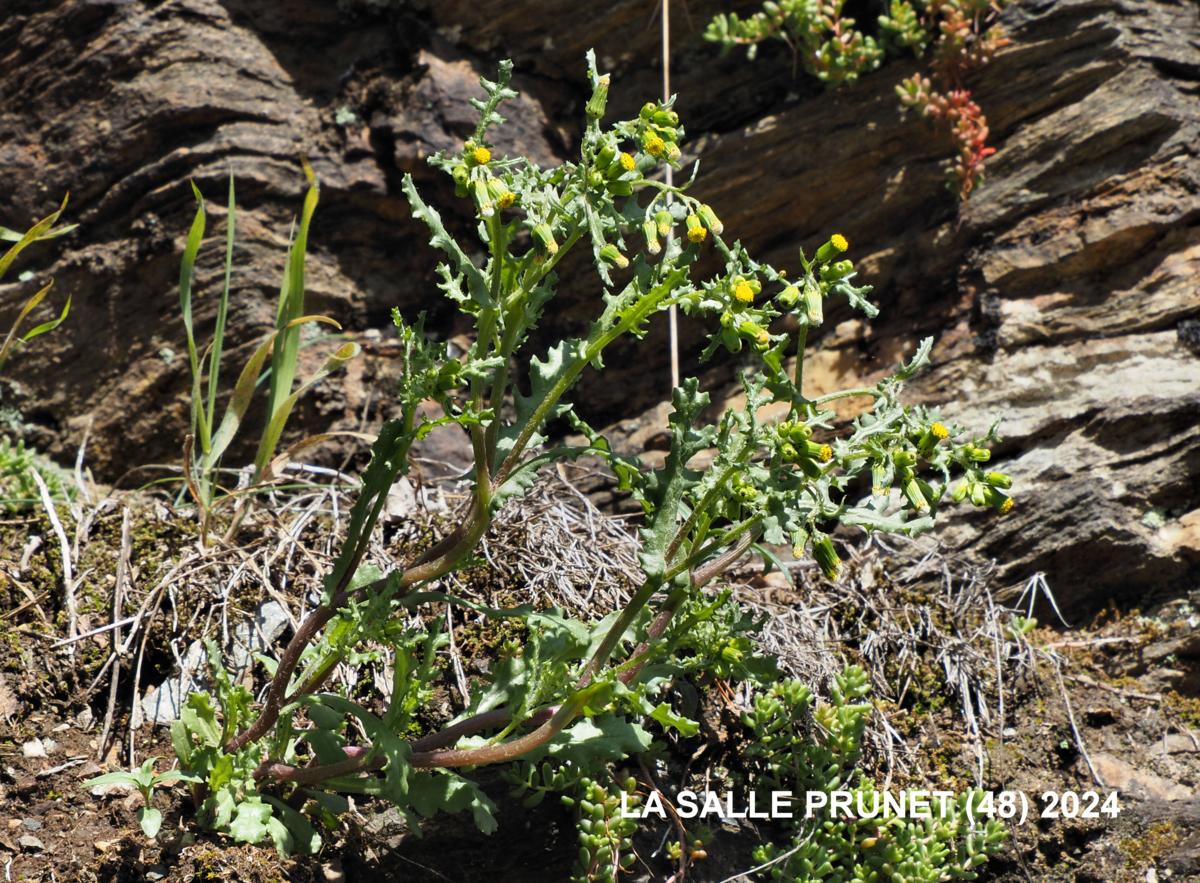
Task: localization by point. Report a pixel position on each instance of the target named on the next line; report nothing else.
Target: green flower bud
(836, 245)
(978, 454)
(483, 199)
(959, 493)
(799, 541)
(650, 231)
(836, 271)
(789, 297)
(912, 491)
(620, 188)
(695, 229)
(610, 254)
(935, 433)
(820, 453)
(788, 452)
(500, 195)
(979, 494)
(710, 219)
(544, 237)
(664, 222)
(799, 432)
(998, 479)
(599, 100)
(648, 110)
(903, 458)
(462, 177)
(813, 306)
(673, 153)
(606, 155)
(665, 118)
(881, 479)
(826, 556)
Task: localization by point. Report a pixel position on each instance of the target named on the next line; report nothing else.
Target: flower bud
(799, 432)
(482, 199)
(710, 219)
(610, 254)
(606, 155)
(664, 222)
(599, 100)
(912, 491)
(501, 196)
(813, 307)
(788, 452)
(836, 271)
(820, 453)
(648, 110)
(836, 245)
(481, 156)
(673, 153)
(653, 144)
(998, 479)
(903, 458)
(620, 188)
(544, 237)
(799, 541)
(742, 291)
(789, 297)
(665, 118)
(650, 230)
(462, 178)
(935, 433)
(695, 230)
(978, 454)
(960, 491)
(826, 556)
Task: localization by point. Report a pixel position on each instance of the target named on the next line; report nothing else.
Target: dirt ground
(1111, 704)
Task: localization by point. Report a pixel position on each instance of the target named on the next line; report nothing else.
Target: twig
(118, 601)
(65, 550)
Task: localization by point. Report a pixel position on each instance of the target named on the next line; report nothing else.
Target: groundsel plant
(579, 694)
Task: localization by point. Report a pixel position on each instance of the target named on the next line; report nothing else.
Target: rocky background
(1063, 296)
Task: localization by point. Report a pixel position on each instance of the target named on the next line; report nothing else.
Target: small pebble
(29, 843)
(31, 824)
(34, 748)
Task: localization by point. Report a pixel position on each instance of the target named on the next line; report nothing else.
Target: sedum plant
(953, 37)
(576, 694)
(785, 755)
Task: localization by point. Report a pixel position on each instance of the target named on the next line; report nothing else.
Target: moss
(1186, 708)
(1144, 850)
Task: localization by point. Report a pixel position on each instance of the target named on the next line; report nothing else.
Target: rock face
(1064, 296)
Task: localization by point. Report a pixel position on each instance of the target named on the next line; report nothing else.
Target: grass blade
(291, 307)
(186, 273)
(218, 342)
(43, 229)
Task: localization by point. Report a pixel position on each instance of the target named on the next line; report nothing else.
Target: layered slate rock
(1064, 295)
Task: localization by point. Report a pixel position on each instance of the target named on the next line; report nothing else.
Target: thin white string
(672, 313)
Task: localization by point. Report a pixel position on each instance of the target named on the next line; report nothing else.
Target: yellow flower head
(743, 292)
(839, 242)
(696, 234)
(654, 145)
(825, 454)
(763, 339)
(481, 155)
(1006, 506)
(628, 163)
(506, 200)
(939, 431)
